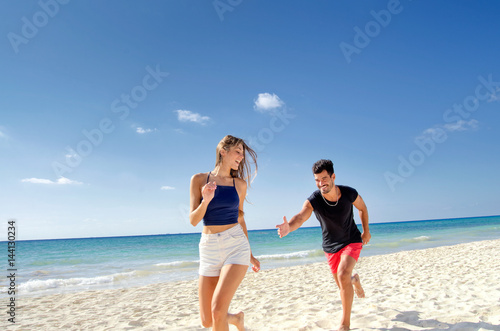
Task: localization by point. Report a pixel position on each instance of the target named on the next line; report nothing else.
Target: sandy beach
(445, 288)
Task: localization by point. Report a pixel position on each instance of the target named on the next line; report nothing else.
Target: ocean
(69, 265)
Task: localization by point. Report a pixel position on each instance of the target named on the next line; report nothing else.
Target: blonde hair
(244, 169)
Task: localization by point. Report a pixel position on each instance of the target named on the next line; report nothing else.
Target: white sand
(445, 288)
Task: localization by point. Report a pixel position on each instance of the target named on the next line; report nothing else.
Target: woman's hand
(208, 191)
(255, 263)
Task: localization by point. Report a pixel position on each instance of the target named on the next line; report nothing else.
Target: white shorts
(226, 247)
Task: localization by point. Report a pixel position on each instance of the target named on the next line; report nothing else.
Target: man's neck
(332, 195)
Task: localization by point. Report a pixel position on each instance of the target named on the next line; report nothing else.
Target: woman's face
(234, 156)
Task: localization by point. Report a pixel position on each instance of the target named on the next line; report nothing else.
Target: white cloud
(72, 155)
(3, 135)
(167, 188)
(189, 116)
(180, 131)
(494, 96)
(60, 181)
(462, 125)
(37, 181)
(141, 130)
(267, 101)
(431, 131)
(459, 125)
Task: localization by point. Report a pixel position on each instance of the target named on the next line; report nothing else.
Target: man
(342, 241)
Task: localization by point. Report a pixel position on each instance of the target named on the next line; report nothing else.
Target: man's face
(324, 182)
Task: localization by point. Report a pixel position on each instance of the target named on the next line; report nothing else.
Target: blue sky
(108, 108)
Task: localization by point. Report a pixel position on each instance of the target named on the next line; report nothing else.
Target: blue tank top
(223, 208)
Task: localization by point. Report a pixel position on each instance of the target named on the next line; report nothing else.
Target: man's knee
(344, 276)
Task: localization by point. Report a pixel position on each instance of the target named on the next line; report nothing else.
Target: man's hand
(366, 236)
(284, 228)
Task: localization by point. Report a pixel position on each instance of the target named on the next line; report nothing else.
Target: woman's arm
(197, 206)
(241, 187)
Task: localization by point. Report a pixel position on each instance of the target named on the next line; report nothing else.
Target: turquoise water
(67, 265)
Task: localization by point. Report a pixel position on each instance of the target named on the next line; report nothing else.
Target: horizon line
(185, 233)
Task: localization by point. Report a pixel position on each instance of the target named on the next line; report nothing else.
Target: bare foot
(237, 320)
(356, 283)
(344, 328)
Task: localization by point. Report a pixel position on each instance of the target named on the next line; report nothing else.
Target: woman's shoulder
(240, 182)
(202, 176)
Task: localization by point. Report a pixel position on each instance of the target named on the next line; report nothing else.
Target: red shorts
(352, 250)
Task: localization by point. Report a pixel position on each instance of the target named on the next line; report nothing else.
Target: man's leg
(358, 289)
(344, 280)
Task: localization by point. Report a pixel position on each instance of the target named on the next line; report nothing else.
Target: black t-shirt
(337, 223)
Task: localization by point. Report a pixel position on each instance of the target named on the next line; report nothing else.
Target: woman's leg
(229, 280)
(206, 288)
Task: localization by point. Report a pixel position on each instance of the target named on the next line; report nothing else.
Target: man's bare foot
(237, 320)
(356, 283)
(344, 328)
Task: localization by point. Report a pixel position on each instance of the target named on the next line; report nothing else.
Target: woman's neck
(222, 172)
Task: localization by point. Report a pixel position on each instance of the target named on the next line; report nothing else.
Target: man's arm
(363, 215)
(296, 221)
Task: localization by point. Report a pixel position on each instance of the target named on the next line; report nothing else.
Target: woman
(217, 197)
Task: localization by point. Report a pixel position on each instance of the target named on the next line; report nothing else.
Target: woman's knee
(206, 321)
(218, 313)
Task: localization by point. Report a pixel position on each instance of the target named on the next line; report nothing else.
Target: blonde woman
(217, 198)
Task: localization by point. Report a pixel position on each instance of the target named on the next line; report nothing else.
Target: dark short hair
(321, 165)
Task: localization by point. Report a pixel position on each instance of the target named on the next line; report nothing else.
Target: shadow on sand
(412, 318)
